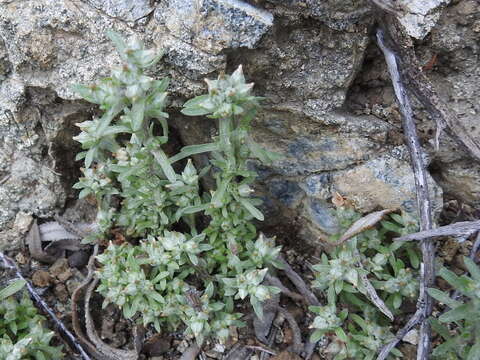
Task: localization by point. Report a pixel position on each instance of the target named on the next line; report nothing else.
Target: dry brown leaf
(373, 296)
(106, 350)
(338, 200)
(365, 223)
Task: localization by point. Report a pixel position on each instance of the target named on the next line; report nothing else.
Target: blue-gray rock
(307, 150)
(303, 56)
(385, 182)
(287, 192)
(338, 15)
(420, 16)
(127, 10)
(321, 216)
(214, 25)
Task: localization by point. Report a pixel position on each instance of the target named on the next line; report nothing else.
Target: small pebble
(78, 259)
(22, 222)
(72, 285)
(41, 278)
(21, 259)
(61, 292)
(60, 266)
(157, 345)
(411, 337)
(64, 276)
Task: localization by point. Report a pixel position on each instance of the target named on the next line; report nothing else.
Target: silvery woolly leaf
(237, 76)
(194, 111)
(472, 268)
(12, 288)
(196, 101)
(251, 209)
(257, 307)
(459, 313)
(118, 41)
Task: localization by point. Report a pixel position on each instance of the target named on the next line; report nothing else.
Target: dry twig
(424, 304)
(476, 245)
(297, 335)
(108, 351)
(275, 281)
(299, 283)
(77, 327)
(419, 84)
(67, 335)
(372, 293)
(465, 228)
(260, 348)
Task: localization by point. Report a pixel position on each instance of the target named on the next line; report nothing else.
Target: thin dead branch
(465, 228)
(297, 346)
(421, 86)
(299, 283)
(260, 348)
(77, 327)
(66, 334)
(262, 327)
(108, 351)
(476, 245)
(275, 281)
(424, 304)
(92, 341)
(372, 293)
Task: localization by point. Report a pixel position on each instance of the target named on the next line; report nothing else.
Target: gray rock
(321, 216)
(457, 38)
(303, 56)
(318, 186)
(5, 66)
(12, 238)
(308, 150)
(461, 181)
(338, 15)
(385, 182)
(195, 33)
(127, 10)
(420, 16)
(56, 44)
(305, 71)
(31, 187)
(287, 192)
(190, 62)
(214, 25)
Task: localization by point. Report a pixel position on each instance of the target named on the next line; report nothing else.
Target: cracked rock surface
(328, 104)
